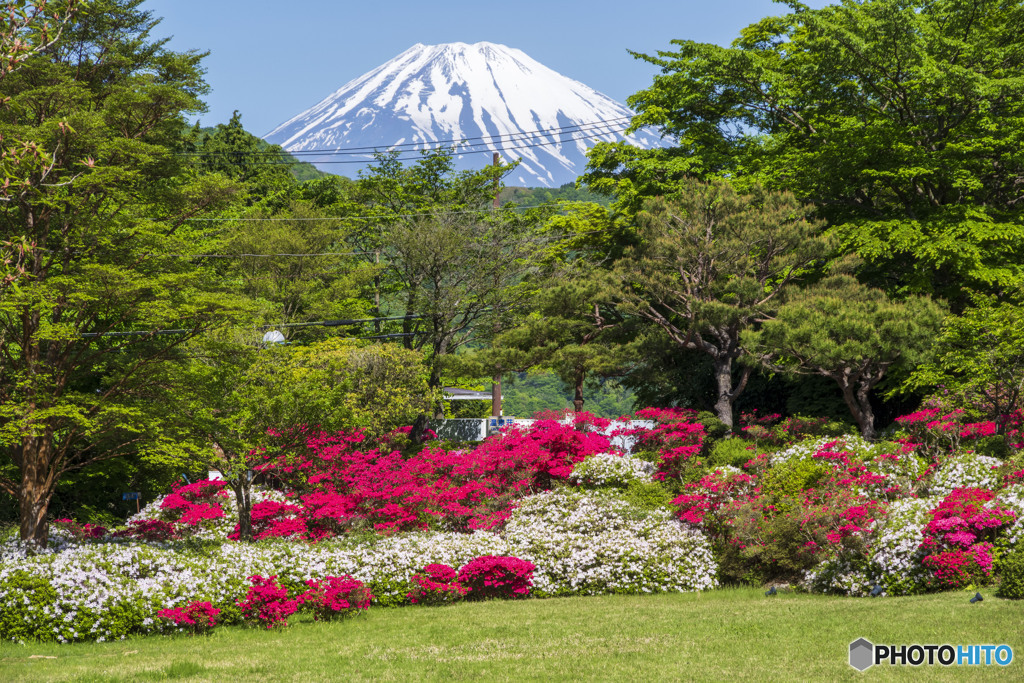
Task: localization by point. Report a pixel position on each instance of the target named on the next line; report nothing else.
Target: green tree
(711, 265)
(265, 172)
(979, 356)
(97, 200)
(853, 334)
(898, 120)
(450, 258)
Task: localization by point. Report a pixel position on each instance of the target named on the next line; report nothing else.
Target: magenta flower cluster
(196, 617)
(493, 576)
(437, 584)
(336, 597)
(959, 537)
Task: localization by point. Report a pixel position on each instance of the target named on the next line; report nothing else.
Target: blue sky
(271, 60)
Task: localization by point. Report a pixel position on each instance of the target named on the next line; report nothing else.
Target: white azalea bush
(611, 469)
(589, 543)
(966, 469)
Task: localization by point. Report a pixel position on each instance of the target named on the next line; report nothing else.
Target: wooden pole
(496, 383)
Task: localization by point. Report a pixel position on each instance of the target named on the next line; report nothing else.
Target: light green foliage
(979, 357)
(445, 254)
(893, 117)
(711, 264)
(841, 329)
(735, 452)
(647, 495)
(325, 285)
(787, 481)
(1012, 570)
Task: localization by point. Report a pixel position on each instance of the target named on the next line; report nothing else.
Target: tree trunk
(243, 497)
(36, 490)
(860, 407)
(723, 380)
(577, 402)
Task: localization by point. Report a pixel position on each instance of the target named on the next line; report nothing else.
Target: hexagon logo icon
(862, 654)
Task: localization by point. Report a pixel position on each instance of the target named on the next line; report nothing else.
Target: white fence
(477, 429)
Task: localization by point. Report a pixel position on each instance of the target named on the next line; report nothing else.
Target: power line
(387, 216)
(485, 139)
(320, 323)
(485, 150)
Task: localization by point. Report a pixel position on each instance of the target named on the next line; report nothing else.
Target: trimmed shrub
(1012, 583)
(196, 617)
(497, 577)
(267, 603)
(437, 584)
(336, 597)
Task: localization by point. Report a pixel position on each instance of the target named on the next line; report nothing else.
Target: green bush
(714, 429)
(787, 481)
(647, 495)
(25, 598)
(1012, 582)
(733, 452)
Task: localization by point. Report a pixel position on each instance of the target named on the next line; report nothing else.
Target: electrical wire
(320, 323)
(486, 150)
(485, 139)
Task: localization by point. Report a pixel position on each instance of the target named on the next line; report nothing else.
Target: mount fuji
(472, 99)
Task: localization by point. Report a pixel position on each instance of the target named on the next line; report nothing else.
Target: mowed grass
(723, 635)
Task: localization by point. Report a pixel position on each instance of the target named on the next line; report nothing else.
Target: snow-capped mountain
(481, 98)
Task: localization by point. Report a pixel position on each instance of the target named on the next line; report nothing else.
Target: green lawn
(719, 635)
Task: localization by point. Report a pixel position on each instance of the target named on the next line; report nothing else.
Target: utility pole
(496, 384)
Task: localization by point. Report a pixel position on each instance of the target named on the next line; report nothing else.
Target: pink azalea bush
(267, 603)
(192, 504)
(959, 538)
(437, 584)
(195, 617)
(497, 577)
(335, 597)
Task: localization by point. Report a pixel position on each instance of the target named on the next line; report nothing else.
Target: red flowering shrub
(492, 576)
(196, 617)
(336, 597)
(188, 506)
(343, 486)
(677, 438)
(437, 584)
(267, 603)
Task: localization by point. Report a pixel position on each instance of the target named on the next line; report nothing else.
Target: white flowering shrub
(1012, 497)
(964, 470)
(588, 543)
(611, 469)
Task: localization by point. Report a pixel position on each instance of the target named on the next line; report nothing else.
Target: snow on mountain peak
(480, 97)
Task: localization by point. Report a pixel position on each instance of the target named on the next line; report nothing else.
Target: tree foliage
(898, 120)
(97, 200)
(979, 356)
